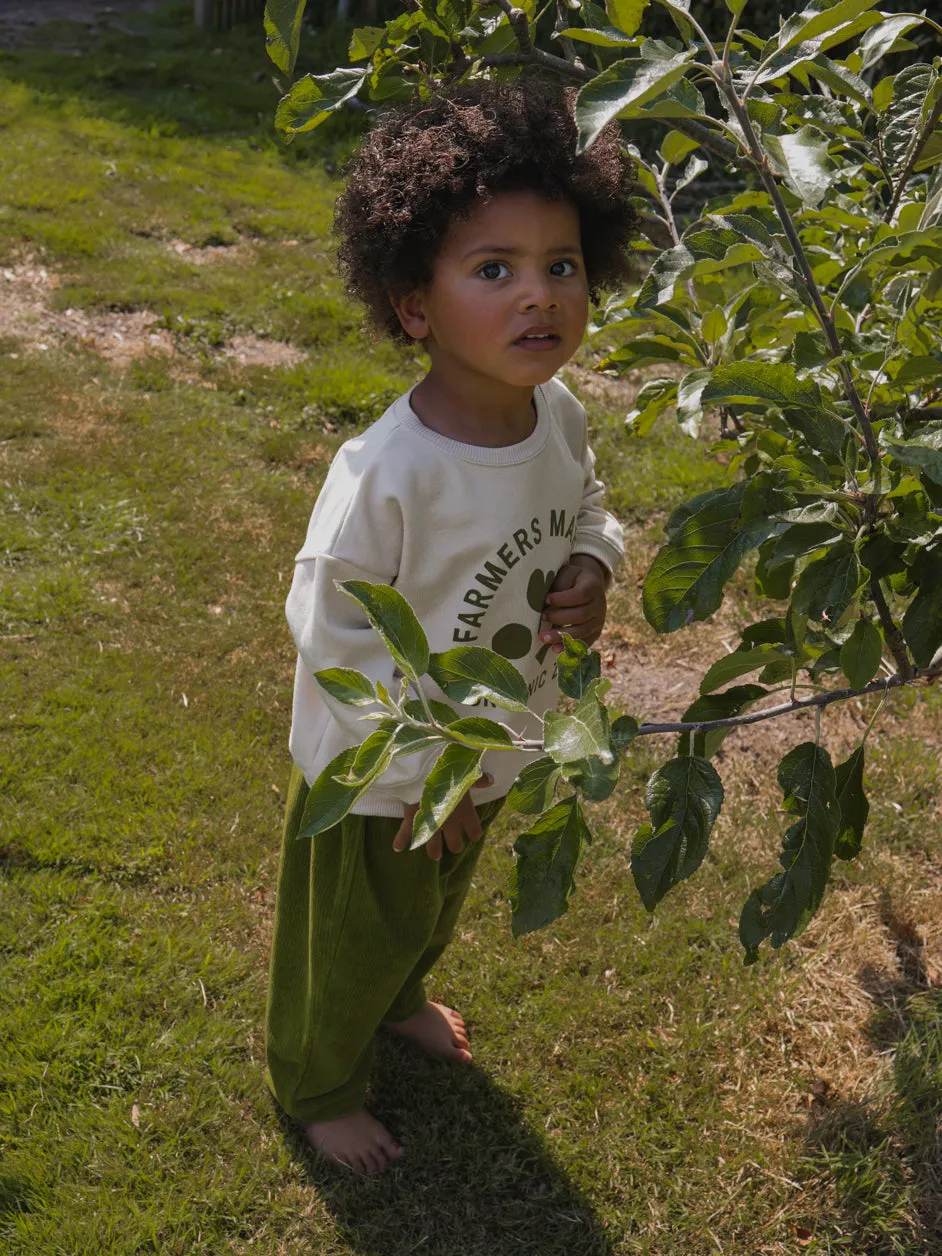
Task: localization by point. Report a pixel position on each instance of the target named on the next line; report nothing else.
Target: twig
(931, 123)
(562, 22)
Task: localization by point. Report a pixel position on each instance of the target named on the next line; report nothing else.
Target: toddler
(470, 227)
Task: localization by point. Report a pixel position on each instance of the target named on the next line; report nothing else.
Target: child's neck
(485, 412)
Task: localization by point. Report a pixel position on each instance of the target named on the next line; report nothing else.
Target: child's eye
(563, 268)
(494, 270)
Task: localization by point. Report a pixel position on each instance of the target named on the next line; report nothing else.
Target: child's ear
(410, 310)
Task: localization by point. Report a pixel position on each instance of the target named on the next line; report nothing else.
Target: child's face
(508, 298)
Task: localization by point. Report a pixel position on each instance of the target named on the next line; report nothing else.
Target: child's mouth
(538, 340)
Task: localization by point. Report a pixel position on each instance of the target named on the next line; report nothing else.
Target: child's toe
(389, 1147)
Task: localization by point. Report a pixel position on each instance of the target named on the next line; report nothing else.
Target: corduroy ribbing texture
(357, 928)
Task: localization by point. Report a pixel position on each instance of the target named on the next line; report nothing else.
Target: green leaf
(878, 41)
(312, 99)
(347, 685)
(693, 169)
(653, 401)
(364, 41)
(283, 32)
(680, 100)
(441, 711)
(923, 449)
(675, 147)
(328, 799)
(595, 779)
(644, 350)
(626, 14)
(454, 773)
(820, 19)
(623, 731)
(669, 268)
(394, 619)
(802, 157)
(714, 325)
(582, 733)
(900, 121)
(370, 761)
(772, 383)
(740, 663)
(706, 544)
(410, 740)
(841, 80)
(600, 36)
(922, 622)
(715, 706)
(471, 674)
(828, 585)
(853, 805)
(689, 396)
(546, 857)
(532, 791)
(781, 908)
(625, 85)
(861, 654)
(577, 666)
(477, 731)
(683, 798)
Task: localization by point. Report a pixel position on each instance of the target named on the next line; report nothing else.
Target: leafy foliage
(800, 305)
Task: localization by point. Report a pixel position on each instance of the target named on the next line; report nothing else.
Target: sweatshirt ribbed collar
(486, 455)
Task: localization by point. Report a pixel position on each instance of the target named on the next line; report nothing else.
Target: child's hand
(576, 602)
(463, 822)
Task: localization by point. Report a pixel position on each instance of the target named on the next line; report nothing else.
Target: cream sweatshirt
(472, 537)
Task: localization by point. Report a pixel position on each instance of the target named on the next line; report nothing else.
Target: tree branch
(712, 142)
(799, 704)
(807, 275)
(518, 21)
(536, 56)
(819, 700)
(931, 123)
(892, 634)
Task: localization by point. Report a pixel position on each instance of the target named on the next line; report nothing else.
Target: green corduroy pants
(357, 928)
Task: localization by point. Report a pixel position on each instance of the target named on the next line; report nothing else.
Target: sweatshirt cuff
(607, 552)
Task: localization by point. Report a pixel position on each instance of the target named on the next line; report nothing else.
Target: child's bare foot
(357, 1141)
(438, 1029)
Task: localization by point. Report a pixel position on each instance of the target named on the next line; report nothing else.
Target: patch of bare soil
(253, 351)
(119, 337)
(200, 255)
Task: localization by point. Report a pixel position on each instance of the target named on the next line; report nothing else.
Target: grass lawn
(177, 366)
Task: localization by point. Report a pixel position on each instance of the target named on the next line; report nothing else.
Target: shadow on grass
(475, 1180)
(160, 73)
(884, 1158)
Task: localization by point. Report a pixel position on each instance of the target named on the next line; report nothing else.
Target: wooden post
(203, 13)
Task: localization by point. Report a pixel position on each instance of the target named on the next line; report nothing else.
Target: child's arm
(576, 601)
(355, 533)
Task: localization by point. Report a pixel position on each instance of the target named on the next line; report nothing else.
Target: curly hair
(427, 163)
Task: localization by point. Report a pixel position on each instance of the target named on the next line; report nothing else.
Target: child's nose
(538, 295)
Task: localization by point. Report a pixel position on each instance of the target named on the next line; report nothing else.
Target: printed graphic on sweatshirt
(512, 640)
